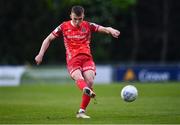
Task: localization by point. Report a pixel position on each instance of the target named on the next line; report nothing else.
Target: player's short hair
(78, 10)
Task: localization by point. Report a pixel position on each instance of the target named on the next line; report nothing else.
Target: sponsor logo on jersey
(76, 37)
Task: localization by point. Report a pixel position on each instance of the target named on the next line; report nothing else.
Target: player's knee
(90, 81)
(76, 76)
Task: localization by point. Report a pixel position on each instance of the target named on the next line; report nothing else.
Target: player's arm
(44, 47)
(109, 30)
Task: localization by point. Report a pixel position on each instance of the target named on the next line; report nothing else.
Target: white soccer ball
(129, 93)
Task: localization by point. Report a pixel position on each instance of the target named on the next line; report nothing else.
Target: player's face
(76, 19)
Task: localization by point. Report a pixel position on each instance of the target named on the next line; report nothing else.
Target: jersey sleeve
(57, 32)
(94, 27)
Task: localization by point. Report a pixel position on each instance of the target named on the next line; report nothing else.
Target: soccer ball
(129, 93)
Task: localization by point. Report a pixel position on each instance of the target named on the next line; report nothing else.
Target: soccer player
(77, 37)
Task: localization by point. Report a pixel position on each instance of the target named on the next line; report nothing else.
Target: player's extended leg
(79, 79)
(89, 78)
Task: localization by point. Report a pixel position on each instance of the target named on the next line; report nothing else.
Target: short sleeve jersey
(76, 39)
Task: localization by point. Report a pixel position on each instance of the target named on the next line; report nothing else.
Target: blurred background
(148, 49)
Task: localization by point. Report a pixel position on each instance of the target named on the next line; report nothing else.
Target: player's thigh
(89, 76)
(74, 68)
(76, 74)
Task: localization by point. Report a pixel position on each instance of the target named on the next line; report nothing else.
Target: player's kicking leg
(87, 93)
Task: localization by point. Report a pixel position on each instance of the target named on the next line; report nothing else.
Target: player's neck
(73, 24)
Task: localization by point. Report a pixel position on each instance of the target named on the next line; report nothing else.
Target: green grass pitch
(57, 104)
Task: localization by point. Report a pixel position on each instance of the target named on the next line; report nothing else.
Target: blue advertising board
(147, 73)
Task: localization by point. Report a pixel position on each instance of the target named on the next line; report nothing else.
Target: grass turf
(53, 103)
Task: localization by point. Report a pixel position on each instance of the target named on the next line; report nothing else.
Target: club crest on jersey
(83, 29)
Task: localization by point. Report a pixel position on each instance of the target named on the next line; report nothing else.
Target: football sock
(81, 83)
(85, 98)
(85, 101)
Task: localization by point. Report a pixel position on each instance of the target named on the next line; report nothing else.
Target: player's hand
(115, 33)
(38, 59)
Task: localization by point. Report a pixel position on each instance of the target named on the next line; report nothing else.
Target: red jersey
(76, 39)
